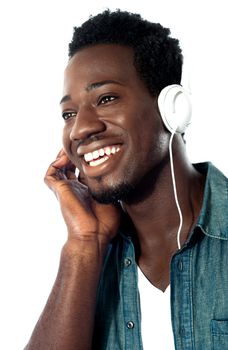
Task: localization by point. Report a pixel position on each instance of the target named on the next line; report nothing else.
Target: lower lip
(103, 168)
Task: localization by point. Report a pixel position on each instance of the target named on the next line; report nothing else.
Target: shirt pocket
(219, 331)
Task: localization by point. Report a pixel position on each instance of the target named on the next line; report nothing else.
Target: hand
(85, 218)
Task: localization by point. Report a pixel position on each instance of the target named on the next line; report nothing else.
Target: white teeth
(113, 150)
(96, 154)
(107, 151)
(98, 161)
(88, 157)
(92, 157)
(101, 152)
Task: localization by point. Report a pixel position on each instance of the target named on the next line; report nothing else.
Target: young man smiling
(121, 214)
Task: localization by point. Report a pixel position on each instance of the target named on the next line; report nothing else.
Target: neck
(155, 217)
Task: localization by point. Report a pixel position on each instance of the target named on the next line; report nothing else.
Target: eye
(68, 115)
(106, 99)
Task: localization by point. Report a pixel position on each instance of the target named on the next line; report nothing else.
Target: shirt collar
(213, 218)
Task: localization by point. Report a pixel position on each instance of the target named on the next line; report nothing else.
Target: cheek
(66, 140)
(151, 140)
(67, 144)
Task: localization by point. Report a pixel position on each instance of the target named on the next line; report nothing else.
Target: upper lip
(95, 145)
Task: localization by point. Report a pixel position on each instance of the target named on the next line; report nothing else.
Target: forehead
(103, 61)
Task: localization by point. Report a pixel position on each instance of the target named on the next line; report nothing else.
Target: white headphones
(175, 108)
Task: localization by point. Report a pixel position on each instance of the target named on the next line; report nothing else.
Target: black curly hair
(157, 57)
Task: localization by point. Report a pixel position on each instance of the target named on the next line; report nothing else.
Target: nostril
(84, 128)
(83, 137)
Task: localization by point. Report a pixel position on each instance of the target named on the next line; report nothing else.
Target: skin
(124, 120)
(120, 113)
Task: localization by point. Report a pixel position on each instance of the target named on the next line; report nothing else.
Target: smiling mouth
(100, 155)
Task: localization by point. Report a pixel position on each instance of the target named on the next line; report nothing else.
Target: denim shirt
(198, 282)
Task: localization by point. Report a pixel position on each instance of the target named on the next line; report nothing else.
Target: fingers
(61, 169)
(61, 152)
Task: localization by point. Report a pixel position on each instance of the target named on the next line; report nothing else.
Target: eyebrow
(65, 99)
(101, 83)
(91, 87)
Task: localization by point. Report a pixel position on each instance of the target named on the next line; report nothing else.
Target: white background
(34, 38)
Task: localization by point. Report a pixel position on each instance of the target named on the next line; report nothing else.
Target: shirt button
(180, 265)
(127, 262)
(130, 325)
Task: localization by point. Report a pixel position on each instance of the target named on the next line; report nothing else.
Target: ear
(175, 108)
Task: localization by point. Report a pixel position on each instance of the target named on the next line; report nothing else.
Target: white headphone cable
(175, 189)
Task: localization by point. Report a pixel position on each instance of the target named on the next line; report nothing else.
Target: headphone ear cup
(175, 107)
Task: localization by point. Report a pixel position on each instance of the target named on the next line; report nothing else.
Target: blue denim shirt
(198, 282)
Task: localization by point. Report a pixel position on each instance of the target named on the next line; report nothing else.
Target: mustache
(90, 139)
(98, 137)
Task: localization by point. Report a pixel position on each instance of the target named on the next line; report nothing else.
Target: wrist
(85, 248)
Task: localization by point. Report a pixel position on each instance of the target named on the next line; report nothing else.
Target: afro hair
(157, 57)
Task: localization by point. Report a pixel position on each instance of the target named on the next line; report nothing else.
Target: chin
(114, 194)
(132, 190)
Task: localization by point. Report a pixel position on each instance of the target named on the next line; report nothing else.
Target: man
(128, 213)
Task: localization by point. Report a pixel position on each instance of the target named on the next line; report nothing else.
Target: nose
(86, 124)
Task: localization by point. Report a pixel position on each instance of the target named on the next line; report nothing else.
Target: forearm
(68, 318)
